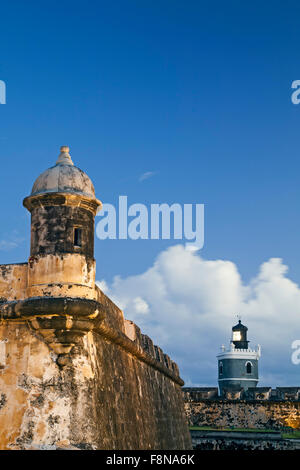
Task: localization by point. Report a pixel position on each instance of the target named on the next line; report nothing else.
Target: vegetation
(285, 433)
(294, 434)
(209, 428)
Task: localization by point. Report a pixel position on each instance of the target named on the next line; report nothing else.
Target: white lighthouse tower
(238, 366)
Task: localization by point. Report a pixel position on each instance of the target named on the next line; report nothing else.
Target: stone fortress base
(216, 421)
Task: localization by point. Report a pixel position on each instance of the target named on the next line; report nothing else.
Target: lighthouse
(238, 365)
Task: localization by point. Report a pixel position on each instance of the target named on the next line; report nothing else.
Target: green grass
(209, 428)
(291, 435)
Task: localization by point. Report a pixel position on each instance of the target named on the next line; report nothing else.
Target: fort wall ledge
(140, 346)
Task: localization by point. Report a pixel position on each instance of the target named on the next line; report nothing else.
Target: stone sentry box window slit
(77, 236)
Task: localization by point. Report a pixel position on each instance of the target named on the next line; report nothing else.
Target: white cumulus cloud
(188, 305)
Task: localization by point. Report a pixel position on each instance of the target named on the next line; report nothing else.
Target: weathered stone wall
(244, 414)
(116, 391)
(52, 230)
(73, 372)
(13, 281)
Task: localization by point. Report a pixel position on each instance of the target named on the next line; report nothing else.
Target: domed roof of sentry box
(64, 177)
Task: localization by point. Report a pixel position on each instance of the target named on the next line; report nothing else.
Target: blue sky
(198, 93)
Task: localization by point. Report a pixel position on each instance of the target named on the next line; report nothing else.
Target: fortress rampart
(259, 407)
(74, 373)
(116, 391)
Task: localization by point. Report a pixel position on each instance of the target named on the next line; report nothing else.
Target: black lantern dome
(239, 336)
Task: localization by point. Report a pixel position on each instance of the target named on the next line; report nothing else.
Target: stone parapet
(193, 394)
(250, 414)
